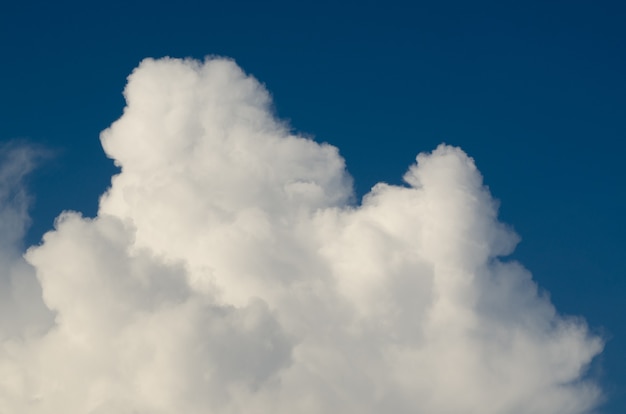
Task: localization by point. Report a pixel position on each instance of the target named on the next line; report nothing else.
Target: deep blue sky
(534, 90)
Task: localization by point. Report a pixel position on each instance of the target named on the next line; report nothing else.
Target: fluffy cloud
(229, 271)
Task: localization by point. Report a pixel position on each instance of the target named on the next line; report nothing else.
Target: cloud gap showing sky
(229, 270)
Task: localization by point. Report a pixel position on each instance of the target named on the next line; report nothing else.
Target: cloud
(22, 311)
(228, 270)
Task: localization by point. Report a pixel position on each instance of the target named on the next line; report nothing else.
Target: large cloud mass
(229, 271)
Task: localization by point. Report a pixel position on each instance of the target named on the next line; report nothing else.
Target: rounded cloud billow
(229, 271)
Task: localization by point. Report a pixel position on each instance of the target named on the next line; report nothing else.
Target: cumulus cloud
(228, 270)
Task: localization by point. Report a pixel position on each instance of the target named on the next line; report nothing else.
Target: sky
(272, 240)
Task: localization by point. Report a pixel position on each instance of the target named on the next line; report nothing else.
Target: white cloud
(227, 271)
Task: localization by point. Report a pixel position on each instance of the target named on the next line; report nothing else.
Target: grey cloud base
(227, 271)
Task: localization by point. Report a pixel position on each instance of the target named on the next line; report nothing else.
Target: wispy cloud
(22, 311)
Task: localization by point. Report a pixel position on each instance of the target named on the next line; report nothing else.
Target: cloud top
(229, 271)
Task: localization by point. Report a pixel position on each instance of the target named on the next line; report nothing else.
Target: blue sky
(533, 91)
